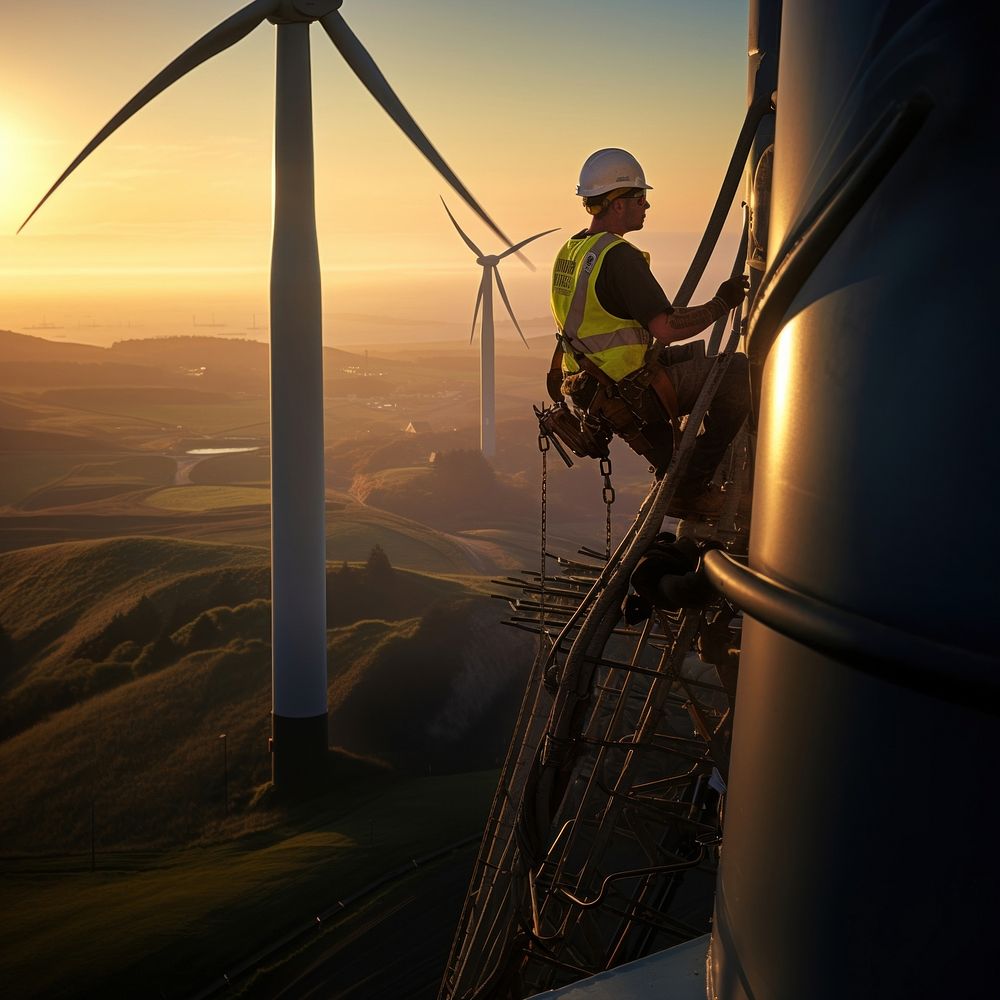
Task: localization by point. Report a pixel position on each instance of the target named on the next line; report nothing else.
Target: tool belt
(641, 408)
(585, 436)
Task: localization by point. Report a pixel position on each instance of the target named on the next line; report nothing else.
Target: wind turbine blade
(358, 58)
(479, 300)
(472, 246)
(517, 246)
(229, 32)
(506, 301)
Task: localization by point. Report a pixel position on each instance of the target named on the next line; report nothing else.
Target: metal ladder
(601, 844)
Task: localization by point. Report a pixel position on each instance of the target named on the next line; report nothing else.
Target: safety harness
(602, 407)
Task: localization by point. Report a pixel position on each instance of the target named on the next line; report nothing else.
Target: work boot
(695, 501)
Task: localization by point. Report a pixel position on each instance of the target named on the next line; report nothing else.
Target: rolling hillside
(124, 660)
(134, 584)
(22, 347)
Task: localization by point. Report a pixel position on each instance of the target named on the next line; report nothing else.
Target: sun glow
(16, 163)
(175, 206)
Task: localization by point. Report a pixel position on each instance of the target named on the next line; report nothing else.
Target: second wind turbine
(487, 353)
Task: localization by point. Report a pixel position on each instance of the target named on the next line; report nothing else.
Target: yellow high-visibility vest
(617, 346)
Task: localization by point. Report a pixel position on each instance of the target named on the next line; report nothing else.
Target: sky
(165, 229)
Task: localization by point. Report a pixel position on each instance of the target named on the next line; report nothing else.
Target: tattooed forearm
(693, 319)
(684, 322)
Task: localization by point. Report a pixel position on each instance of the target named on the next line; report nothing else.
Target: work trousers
(637, 415)
(688, 370)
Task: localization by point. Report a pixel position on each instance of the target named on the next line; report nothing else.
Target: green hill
(124, 660)
(53, 596)
(80, 376)
(456, 491)
(397, 450)
(21, 347)
(83, 617)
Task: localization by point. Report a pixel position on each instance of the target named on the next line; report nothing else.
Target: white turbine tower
(487, 366)
(298, 536)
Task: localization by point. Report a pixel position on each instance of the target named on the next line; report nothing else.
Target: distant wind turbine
(298, 532)
(487, 364)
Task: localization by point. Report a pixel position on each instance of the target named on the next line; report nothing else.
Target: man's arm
(685, 322)
(688, 321)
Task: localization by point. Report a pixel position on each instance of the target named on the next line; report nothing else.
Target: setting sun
(183, 188)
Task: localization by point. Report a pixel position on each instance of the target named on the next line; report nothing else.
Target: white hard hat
(609, 169)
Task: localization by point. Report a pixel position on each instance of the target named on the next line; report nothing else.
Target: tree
(156, 654)
(378, 567)
(204, 632)
(135, 624)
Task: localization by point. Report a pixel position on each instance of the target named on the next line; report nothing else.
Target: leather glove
(733, 291)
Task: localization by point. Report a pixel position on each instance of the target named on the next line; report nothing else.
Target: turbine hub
(488, 260)
(297, 11)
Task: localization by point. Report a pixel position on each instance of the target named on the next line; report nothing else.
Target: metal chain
(609, 498)
(543, 447)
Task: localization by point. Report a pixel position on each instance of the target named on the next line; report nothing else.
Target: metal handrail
(940, 670)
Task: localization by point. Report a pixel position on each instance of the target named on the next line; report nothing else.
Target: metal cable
(755, 113)
(739, 265)
(543, 447)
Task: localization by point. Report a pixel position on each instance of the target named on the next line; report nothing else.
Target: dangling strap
(661, 384)
(599, 373)
(665, 391)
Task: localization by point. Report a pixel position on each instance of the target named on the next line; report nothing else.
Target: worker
(617, 327)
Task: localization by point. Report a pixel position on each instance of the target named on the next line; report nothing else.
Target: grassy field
(232, 469)
(164, 925)
(100, 478)
(389, 943)
(202, 498)
(352, 529)
(23, 473)
(125, 414)
(130, 470)
(202, 412)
